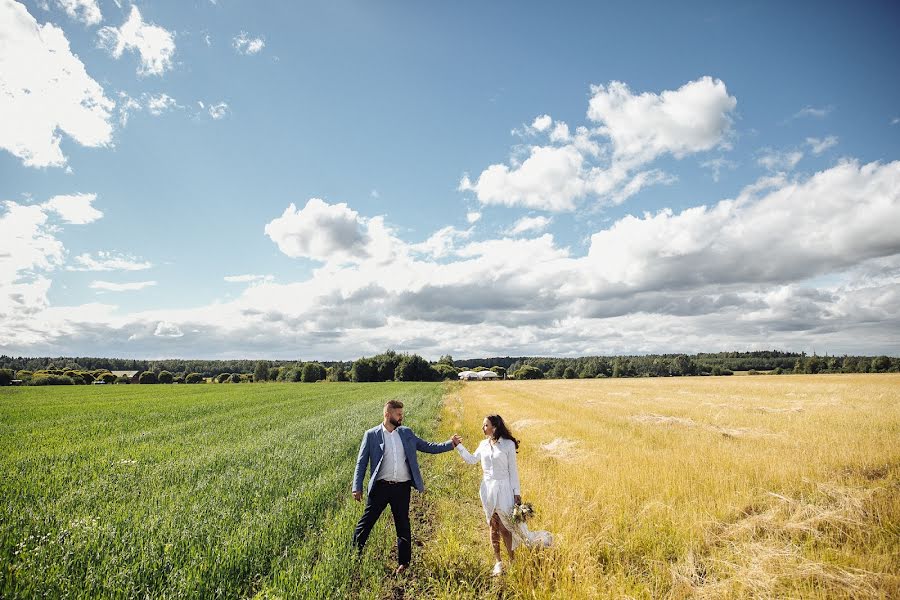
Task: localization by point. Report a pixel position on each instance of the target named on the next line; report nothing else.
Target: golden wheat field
(713, 487)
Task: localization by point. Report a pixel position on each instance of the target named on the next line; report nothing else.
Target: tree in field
(194, 378)
(261, 372)
(6, 376)
(107, 377)
(617, 368)
(387, 365)
(529, 372)
(569, 373)
(274, 374)
(147, 377)
(682, 365)
(165, 377)
(446, 359)
(499, 371)
(223, 377)
(312, 372)
(235, 378)
(415, 368)
(364, 370)
(446, 371)
(336, 373)
(881, 364)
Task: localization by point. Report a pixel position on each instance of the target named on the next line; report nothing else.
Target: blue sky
(330, 179)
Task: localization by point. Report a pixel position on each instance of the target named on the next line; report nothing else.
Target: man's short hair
(393, 404)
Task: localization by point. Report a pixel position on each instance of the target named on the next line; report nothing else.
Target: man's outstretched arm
(436, 447)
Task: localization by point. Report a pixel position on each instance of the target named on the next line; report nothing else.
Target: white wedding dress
(500, 485)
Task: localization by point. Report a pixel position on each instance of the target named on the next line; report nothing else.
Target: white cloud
(818, 146)
(473, 216)
(779, 160)
(244, 44)
(560, 133)
(160, 103)
(108, 261)
(321, 231)
(74, 208)
(895, 120)
(542, 123)
(109, 286)
(45, 92)
(814, 112)
(827, 223)
(29, 248)
(217, 111)
(525, 224)
(165, 329)
(550, 178)
(27, 241)
(693, 118)
(86, 11)
(155, 45)
(607, 160)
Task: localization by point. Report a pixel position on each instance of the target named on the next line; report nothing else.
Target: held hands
(518, 499)
(456, 440)
(357, 495)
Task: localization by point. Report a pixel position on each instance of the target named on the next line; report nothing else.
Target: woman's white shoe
(498, 569)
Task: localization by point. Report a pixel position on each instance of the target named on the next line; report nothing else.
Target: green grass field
(206, 491)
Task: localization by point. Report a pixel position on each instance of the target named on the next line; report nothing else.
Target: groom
(390, 451)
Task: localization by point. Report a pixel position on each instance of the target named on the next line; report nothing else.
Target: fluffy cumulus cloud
(74, 208)
(45, 92)
(693, 118)
(330, 233)
(154, 44)
(550, 178)
(608, 159)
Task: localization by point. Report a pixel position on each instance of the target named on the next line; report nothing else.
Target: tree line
(394, 366)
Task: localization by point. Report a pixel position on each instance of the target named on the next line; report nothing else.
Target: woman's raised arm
(466, 455)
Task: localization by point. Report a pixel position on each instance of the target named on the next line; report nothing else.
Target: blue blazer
(371, 451)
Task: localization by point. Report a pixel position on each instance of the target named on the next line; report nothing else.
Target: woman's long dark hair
(501, 430)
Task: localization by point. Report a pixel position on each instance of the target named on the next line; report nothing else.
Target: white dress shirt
(393, 464)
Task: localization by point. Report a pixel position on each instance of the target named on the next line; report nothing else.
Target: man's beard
(396, 422)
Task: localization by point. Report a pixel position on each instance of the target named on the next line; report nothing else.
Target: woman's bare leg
(495, 534)
(507, 539)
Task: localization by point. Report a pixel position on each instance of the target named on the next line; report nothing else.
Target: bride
(500, 490)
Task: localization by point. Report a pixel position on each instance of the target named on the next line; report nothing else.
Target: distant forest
(393, 366)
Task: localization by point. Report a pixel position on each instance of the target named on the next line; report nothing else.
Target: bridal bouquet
(522, 512)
